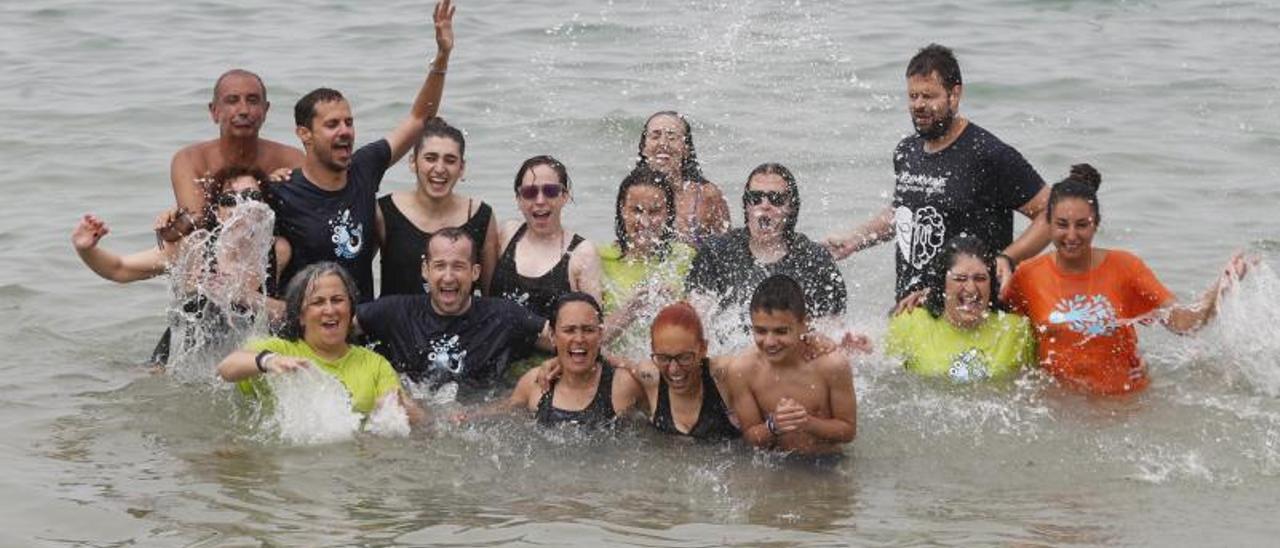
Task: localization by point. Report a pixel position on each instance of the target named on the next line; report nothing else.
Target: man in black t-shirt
(450, 335)
(730, 266)
(953, 178)
(326, 209)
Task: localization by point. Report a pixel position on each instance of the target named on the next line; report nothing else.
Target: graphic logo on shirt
(1089, 316)
(920, 234)
(347, 235)
(969, 366)
(446, 355)
(911, 182)
(519, 297)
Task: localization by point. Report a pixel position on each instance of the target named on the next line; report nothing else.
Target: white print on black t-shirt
(920, 234)
(346, 235)
(446, 355)
(910, 182)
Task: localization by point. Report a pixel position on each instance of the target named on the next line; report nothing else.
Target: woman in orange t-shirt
(1083, 300)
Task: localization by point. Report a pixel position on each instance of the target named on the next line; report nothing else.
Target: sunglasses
(232, 199)
(550, 190)
(778, 199)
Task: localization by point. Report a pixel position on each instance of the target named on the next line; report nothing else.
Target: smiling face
(767, 213)
(644, 217)
(331, 135)
(577, 336)
(451, 273)
(664, 144)
(777, 335)
(240, 106)
(540, 212)
(932, 106)
(1071, 227)
(438, 165)
(968, 292)
(326, 313)
(678, 353)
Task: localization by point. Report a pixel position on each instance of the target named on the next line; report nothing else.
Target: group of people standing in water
(482, 305)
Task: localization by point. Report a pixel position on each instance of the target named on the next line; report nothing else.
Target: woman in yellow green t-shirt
(319, 309)
(962, 333)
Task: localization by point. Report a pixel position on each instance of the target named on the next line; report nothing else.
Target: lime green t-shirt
(932, 347)
(623, 277)
(366, 374)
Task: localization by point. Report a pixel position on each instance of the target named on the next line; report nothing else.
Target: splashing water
(1244, 337)
(311, 407)
(216, 290)
(389, 419)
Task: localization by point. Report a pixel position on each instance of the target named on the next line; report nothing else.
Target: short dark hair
(936, 277)
(1083, 183)
(773, 168)
(437, 127)
(295, 296)
(690, 168)
(575, 297)
(217, 85)
(643, 175)
(304, 111)
(779, 292)
(936, 58)
(543, 160)
(453, 233)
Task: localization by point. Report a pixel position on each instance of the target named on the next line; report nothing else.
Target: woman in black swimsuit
(589, 392)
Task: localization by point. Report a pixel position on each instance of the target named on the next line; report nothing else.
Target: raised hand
(88, 232)
(443, 17)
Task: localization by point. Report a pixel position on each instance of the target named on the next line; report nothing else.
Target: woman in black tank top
(542, 190)
(438, 165)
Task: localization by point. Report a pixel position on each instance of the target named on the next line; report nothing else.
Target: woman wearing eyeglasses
(730, 266)
(666, 146)
(541, 259)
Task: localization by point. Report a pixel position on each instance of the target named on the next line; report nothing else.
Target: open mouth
(540, 215)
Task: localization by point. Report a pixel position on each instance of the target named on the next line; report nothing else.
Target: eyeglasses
(686, 359)
(778, 199)
(550, 190)
(232, 199)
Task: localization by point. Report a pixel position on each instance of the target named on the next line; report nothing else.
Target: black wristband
(772, 426)
(262, 356)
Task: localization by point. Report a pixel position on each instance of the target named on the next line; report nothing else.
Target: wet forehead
(666, 124)
(449, 250)
(238, 84)
(768, 182)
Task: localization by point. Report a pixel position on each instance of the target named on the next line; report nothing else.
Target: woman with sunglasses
(666, 146)
(541, 260)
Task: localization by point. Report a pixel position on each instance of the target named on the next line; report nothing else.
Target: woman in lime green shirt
(319, 309)
(962, 333)
(645, 268)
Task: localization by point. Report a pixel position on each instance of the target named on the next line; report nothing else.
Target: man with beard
(449, 335)
(239, 107)
(953, 178)
(728, 267)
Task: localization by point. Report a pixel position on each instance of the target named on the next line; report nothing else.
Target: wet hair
(1083, 184)
(645, 176)
(453, 233)
(679, 314)
(217, 85)
(437, 127)
(771, 168)
(542, 160)
(936, 277)
(779, 293)
(213, 186)
(690, 169)
(301, 285)
(304, 111)
(936, 58)
(575, 297)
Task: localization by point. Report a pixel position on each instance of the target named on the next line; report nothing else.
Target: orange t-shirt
(1082, 334)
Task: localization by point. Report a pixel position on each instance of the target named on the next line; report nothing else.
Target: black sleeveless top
(713, 418)
(597, 414)
(535, 294)
(405, 245)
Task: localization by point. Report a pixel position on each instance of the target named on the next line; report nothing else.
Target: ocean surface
(1174, 101)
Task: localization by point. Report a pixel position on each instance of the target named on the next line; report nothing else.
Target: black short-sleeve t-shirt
(472, 349)
(334, 225)
(971, 187)
(725, 267)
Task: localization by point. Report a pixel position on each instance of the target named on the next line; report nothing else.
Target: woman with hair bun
(1083, 300)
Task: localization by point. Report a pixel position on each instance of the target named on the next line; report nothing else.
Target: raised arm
(142, 265)
(427, 103)
(1184, 319)
(875, 230)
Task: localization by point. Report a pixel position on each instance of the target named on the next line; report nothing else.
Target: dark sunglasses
(778, 199)
(550, 190)
(232, 199)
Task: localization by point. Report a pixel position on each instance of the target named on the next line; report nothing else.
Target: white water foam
(1245, 336)
(311, 407)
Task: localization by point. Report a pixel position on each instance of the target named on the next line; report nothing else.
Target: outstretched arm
(123, 269)
(1184, 319)
(877, 229)
(427, 104)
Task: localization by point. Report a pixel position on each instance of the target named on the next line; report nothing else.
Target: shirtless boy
(783, 399)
